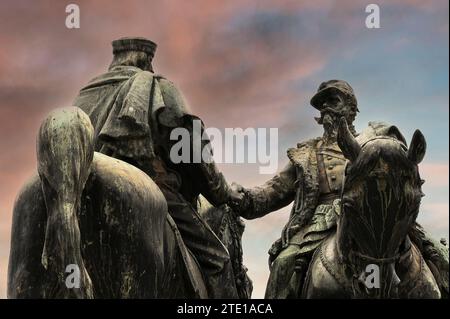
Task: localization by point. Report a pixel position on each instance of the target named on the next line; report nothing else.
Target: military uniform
(312, 180)
(133, 112)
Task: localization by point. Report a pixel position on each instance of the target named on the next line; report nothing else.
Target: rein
(384, 260)
(356, 258)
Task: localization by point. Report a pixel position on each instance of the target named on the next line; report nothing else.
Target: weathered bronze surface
(313, 180)
(108, 199)
(127, 215)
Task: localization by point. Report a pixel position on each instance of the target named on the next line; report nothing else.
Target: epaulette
(299, 154)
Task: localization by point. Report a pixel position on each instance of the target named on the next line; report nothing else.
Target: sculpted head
(137, 52)
(335, 99)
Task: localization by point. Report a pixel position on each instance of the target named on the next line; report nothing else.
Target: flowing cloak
(131, 111)
(125, 105)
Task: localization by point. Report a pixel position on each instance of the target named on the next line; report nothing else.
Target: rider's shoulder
(309, 143)
(302, 148)
(163, 81)
(168, 88)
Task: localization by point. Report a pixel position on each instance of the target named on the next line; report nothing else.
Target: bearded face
(334, 107)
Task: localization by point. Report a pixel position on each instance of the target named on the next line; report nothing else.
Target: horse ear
(347, 142)
(395, 133)
(417, 147)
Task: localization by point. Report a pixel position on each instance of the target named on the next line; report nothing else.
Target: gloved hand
(237, 198)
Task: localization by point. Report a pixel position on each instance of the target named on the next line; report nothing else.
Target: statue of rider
(134, 111)
(312, 180)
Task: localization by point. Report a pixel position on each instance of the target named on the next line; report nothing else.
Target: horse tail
(65, 150)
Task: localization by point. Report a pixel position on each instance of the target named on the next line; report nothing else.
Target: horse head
(380, 202)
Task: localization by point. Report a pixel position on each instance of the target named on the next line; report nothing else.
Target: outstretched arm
(212, 183)
(276, 193)
(209, 181)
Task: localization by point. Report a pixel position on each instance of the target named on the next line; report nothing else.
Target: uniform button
(336, 188)
(331, 167)
(333, 177)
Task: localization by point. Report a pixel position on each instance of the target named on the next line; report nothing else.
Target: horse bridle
(353, 253)
(384, 260)
(362, 146)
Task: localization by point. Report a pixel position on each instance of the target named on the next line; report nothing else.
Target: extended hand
(236, 197)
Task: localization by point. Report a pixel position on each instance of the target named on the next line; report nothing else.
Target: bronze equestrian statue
(133, 111)
(108, 218)
(109, 199)
(378, 207)
(313, 180)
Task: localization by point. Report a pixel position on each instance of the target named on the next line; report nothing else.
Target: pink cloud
(434, 218)
(435, 174)
(231, 77)
(3, 276)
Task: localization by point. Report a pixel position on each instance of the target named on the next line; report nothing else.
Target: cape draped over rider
(133, 112)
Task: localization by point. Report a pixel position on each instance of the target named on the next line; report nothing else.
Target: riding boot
(282, 283)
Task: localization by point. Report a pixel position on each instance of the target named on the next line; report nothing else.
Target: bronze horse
(371, 254)
(107, 218)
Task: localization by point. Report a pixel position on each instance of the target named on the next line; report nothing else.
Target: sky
(244, 63)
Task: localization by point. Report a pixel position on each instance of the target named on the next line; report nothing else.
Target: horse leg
(229, 228)
(64, 153)
(26, 274)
